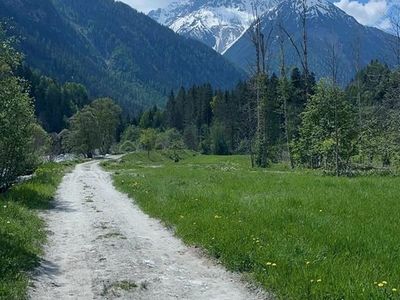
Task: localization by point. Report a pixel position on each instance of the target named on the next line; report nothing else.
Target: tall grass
(22, 231)
(301, 235)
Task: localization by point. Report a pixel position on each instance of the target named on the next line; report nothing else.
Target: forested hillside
(331, 34)
(112, 49)
(306, 123)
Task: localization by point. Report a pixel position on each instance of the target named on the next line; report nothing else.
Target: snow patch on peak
(217, 23)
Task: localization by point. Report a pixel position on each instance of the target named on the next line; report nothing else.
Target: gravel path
(101, 246)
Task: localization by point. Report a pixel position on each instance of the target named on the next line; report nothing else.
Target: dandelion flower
(384, 282)
(319, 280)
(274, 264)
(269, 263)
(394, 290)
(307, 263)
(8, 222)
(380, 284)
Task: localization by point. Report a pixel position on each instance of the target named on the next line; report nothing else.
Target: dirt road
(101, 246)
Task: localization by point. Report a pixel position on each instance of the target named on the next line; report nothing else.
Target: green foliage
(54, 103)
(190, 137)
(170, 139)
(41, 141)
(127, 147)
(327, 132)
(148, 140)
(16, 119)
(22, 231)
(152, 118)
(374, 93)
(131, 133)
(113, 50)
(225, 121)
(94, 128)
(324, 234)
(219, 145)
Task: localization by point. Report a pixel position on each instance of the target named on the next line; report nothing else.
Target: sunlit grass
(22, 231)
(300, 234)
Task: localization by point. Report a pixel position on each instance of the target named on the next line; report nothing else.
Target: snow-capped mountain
(328, 28)
(217, 23)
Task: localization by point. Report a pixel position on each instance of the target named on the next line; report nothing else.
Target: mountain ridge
(112, 49)
(217, 23)
(328, 27)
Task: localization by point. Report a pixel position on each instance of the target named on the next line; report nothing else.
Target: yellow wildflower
(394, 290)
(380, 284)
(319, 280)
(384, 282)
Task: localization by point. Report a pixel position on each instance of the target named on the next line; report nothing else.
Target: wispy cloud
(147, 5)
(371, 12)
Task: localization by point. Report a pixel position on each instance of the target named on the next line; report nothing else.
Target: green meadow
(299, 234)
(22, 231)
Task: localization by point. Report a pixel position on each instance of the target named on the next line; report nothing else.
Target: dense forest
(41, 118)
(329, 127)
(291, 118)
(112, 49)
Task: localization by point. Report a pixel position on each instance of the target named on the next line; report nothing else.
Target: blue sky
(367, 12)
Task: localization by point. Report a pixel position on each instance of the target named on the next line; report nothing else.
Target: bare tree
(334, 72)
(285, 93)
(395, 23)
(260, 43)
(357, 46)
(302, 49)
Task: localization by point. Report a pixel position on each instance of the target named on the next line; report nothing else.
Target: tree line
(40, 118)
(303, 122)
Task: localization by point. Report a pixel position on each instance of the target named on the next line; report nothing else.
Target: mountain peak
(314, 8)
(327, 26)
(217, 23)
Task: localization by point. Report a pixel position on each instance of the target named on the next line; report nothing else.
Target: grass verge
(22, 231)
(300, 234)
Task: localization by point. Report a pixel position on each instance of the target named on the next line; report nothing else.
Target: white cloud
(371, 13)
(147, 5)
(385, 24)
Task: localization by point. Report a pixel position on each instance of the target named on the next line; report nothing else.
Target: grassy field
(300, 234)
(22, 231)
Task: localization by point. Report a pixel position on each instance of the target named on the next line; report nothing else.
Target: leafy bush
(127, 147)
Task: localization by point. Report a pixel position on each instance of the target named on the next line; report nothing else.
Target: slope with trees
(113, 50)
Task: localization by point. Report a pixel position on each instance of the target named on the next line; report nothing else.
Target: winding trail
(101, 246)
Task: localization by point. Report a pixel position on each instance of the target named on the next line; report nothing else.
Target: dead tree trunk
(334, 72)
(284, 95)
